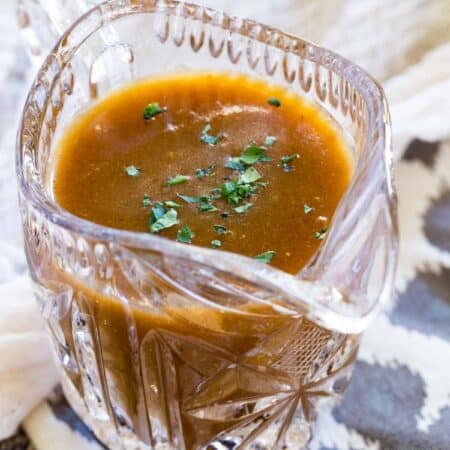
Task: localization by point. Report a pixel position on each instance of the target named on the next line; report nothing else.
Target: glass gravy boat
(167, 346)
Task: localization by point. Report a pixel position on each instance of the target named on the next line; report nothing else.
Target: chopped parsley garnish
(146, 201)
(285, 160)
(185, 235)
(132, 171)
(321, 233)
(209, 139)
(206, 206)
(220, 229)
(265, 257)
(245, 189)
(288, 159)
(243, 208)
(228, 190)
(307, 209)
(178, 179)
(253, 153)
(157, 212)
(189, 199)
(216, 243)
(161, 218)
(207, 172)
(233, 191)
(235, 164)
(270, 140)
(171, 204)
(250, 176)
(152, 110)
(273, 101)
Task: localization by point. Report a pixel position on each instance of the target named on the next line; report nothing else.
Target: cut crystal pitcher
(174, 374)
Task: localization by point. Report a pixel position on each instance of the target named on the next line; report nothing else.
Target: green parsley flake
(152, 110)
(228, 187)
(132, 171)
(250, 176)
(288, 159)
(234, 191)
(216, 243)
(178, 179)
(253, 153)
(209, 139)
(265, 257)
(207, 172)
(146, 201)
(321, 234)
(189, 199)
(273, 101)
(245, 189)
(166, 220)
(220, 229)
(185, 235)
(157, 212)
(270, 140)
(171, 204)
(243, 208)
(307, 209)
(235, 164)
(206, 206)
(285, 160)
(234, 198)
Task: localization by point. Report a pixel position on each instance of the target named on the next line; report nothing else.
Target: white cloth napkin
(404, 44)
(26, 370)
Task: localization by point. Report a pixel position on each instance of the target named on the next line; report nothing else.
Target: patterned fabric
(399, 397)
(19, 441)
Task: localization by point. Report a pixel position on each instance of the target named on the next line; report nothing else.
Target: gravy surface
(113, 165)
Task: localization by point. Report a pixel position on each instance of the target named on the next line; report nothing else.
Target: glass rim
(292, 285)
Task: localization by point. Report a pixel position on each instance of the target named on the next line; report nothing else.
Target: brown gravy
(292, 202)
